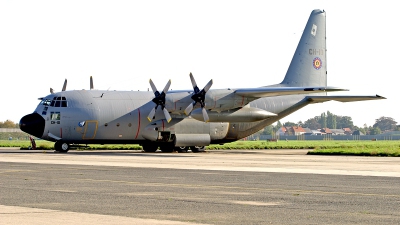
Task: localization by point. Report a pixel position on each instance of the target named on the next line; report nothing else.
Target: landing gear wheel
(196, 149)
(149, 148)
(182, 149)
(61, 146)
(167, 148)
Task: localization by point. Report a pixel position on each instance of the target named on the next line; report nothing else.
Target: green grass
(361, 148)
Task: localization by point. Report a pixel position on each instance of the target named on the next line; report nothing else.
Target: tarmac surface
(214, 187)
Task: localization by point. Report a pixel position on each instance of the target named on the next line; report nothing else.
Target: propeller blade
(195, 88)
(91, 83)
(153, 87)
(51, 91)
(208, 86)
(167, 86)
(166, 114)
(189, 109)
(205, 115)
(151, 114)
(65, 85)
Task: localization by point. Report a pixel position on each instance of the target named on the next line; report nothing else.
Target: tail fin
(308, 66)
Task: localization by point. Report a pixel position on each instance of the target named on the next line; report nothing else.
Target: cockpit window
(56, 102)
(45, 102)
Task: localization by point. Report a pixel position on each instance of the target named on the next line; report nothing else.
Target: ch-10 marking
(316, 51)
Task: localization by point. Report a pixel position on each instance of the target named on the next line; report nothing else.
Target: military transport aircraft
(179, 120)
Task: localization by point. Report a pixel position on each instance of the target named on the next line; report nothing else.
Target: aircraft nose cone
(32, 124)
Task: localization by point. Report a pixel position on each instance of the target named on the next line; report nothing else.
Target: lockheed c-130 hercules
(179, 120)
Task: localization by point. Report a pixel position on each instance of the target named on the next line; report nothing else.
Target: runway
(215, 187)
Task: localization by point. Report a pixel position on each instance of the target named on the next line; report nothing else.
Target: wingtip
(381, 97)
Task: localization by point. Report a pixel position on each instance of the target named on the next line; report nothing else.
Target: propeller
(159, 99)
(198, 97)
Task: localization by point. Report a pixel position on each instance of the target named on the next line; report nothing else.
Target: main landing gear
(167, 148)
(61, 146)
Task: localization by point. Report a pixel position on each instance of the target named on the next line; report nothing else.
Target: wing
(278, 91)
(344, 98)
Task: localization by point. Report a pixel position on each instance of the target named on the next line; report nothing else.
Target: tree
(375, 131)
(385, 123)
(268, 130)
(313, 123)
(331, 120)
(289, 124)
(300, 124)
(344, 121)
(322, 120)
(8, 124)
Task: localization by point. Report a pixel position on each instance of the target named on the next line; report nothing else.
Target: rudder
(309, 65)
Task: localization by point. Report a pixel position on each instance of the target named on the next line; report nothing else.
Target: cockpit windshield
(55, 102)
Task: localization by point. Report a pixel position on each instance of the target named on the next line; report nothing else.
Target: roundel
(317, 63)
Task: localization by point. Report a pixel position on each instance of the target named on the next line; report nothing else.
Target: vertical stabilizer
(308, 66)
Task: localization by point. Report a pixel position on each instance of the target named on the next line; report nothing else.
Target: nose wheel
(61, 146)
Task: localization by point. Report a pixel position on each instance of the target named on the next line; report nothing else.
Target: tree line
(332, 121)
(9, 124)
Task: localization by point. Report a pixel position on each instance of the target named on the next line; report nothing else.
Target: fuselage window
(55, 115)
(44, 112)
(57, 104)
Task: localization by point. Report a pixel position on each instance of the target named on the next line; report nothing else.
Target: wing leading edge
(278, 91)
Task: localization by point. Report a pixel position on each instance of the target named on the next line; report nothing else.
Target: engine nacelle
(245, 114)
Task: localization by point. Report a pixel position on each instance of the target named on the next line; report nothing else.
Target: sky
(238, 44)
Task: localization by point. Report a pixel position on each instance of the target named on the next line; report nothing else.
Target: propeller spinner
(198, 97)
(159, 99)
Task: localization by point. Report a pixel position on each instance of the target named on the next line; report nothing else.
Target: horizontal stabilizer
(339, 98)
(278, 91)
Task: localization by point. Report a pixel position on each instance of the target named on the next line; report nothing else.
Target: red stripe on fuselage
(138, 129)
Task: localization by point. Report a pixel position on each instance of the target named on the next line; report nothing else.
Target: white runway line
(35, 216)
